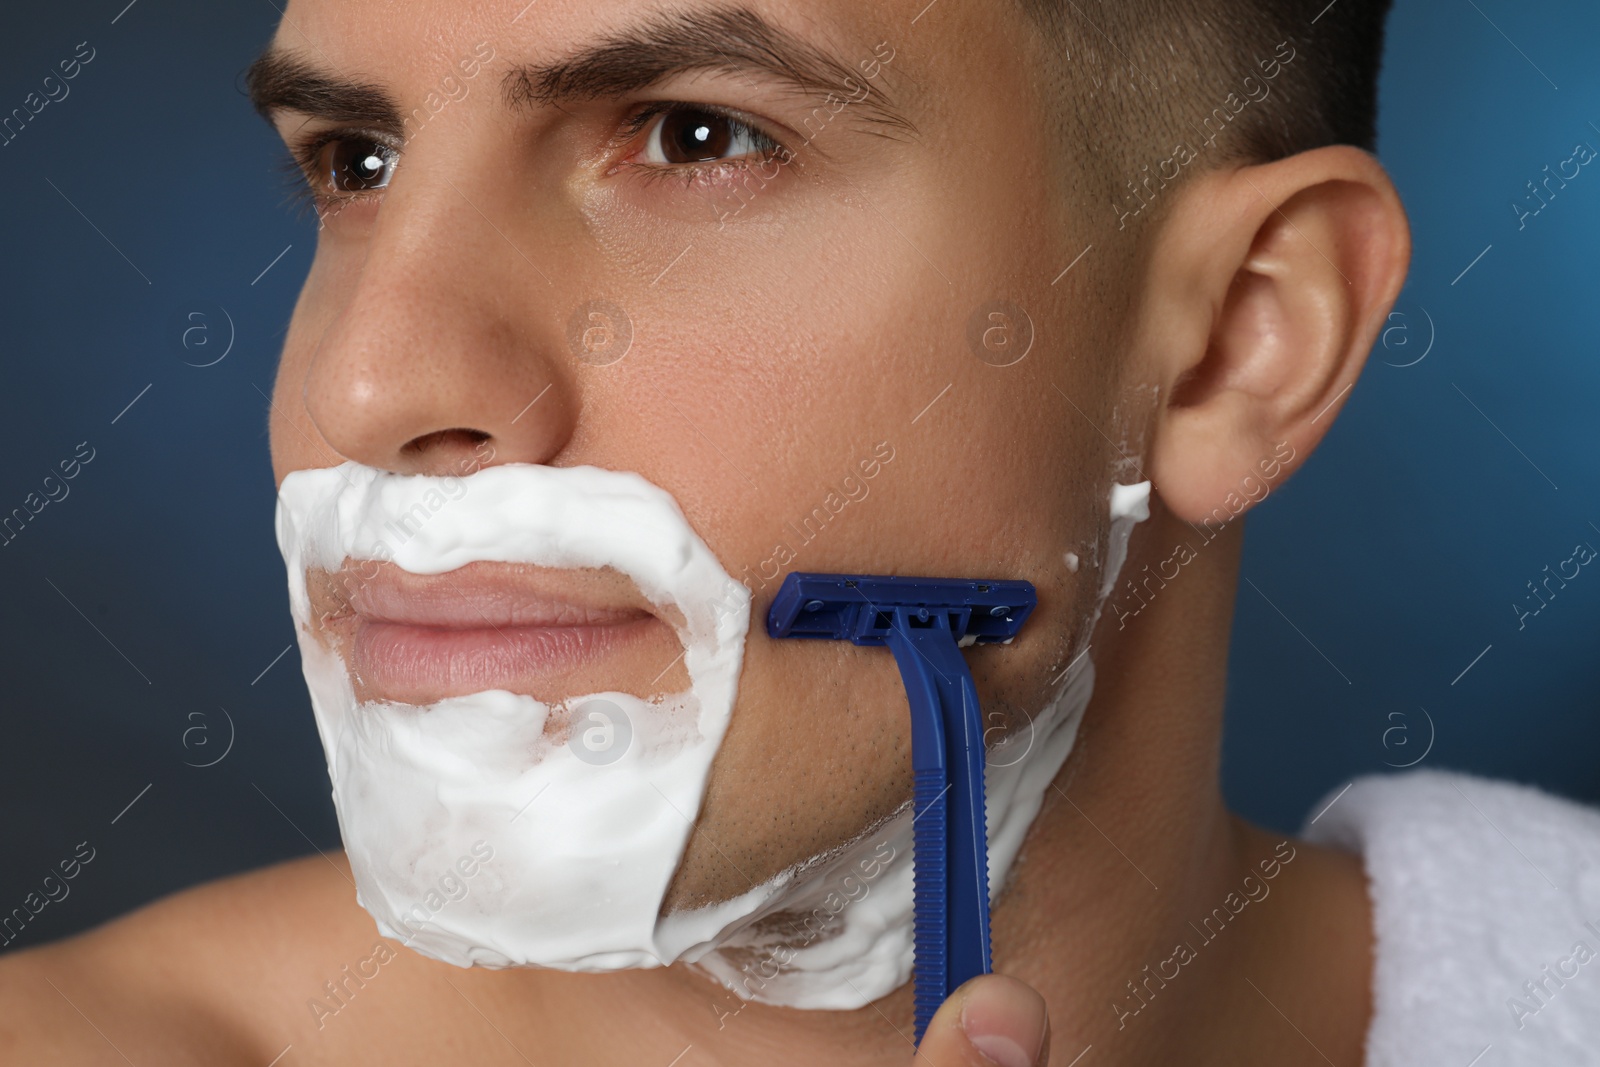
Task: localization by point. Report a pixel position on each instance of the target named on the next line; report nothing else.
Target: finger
(991, 1021)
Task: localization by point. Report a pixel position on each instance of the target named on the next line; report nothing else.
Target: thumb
(991, 1021)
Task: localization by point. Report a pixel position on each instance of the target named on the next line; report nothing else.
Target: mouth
(545, 632)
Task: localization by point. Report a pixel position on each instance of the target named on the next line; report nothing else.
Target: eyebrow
(278, 81)
(731, 40)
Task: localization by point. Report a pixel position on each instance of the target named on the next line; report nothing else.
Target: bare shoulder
(210, 975)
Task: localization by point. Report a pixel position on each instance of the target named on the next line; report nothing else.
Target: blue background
(143, 616)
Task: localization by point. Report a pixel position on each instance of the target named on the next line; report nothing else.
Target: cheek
(821, 704)
(748, 359)
(827, 705)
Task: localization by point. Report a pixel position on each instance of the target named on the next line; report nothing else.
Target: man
(1005, 257)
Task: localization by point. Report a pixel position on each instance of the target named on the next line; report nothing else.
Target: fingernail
(1005, 1021)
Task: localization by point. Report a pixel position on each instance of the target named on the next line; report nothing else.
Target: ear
(1266, 287)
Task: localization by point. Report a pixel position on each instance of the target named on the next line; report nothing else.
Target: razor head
(861, 607)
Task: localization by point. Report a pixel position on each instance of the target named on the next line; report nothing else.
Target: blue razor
(926, 622)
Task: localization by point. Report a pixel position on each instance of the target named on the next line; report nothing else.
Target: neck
(1158, 926)
(1134, 847)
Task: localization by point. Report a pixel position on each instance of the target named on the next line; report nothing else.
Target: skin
(769, 356)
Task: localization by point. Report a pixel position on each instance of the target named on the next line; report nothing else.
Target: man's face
(799, 288)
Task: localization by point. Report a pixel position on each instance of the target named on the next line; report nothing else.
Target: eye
(350, 166)
(685, 135)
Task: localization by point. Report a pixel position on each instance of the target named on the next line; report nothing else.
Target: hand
(991, 1021)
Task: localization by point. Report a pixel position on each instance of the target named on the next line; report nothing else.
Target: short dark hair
(1145, 83)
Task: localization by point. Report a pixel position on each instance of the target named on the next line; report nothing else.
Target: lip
(419, 638)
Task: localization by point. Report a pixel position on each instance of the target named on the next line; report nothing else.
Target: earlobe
(1279, 277)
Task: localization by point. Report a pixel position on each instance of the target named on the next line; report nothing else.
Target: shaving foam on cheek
(836, 933)
(473, 837)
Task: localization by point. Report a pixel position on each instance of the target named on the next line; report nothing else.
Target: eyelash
(305, 192)
(706, 172)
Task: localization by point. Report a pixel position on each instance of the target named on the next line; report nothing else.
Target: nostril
(432, 442)
(458, 452)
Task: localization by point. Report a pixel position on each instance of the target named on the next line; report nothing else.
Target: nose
(443, 355)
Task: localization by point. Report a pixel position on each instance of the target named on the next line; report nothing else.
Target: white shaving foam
(580, 854)
(570, 862)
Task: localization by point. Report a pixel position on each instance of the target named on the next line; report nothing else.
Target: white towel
(1486, 905)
